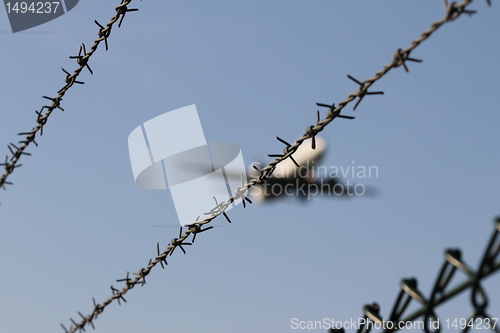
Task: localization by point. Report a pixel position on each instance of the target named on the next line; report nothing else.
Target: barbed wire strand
(82, 59)
(410, 292)
(401, 56)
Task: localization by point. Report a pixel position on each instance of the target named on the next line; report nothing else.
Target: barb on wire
(403, 57)
(162, 257)
(69, 79)
(220, 209)
(122, 9)
(143, 272)
(241, 193)
(82, 60)
(178, 242)
(127, 281)
(332, 113)
(362, 91)
(441, 292)
(56, 103)
(197, 228)
(115, 291)
(103, 33)
(453, 11)
(331, 110)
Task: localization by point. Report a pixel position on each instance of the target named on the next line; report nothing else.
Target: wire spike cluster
(69, 79)
(363, 91)
(196, 229)
(286, 153)
(74, 323)
(103, 33)
(31, 137)
(162, 257)
(332, 112)
(219, 209)
(177, 242)
(143, 272)
(128, 281)
(115, 292)
(56, 103)
(402, 57)
(454, 10)
(82, 60)
(441, 291)
(122, 9)
(240, 193)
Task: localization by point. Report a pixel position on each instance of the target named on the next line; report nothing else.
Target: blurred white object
(171, 150)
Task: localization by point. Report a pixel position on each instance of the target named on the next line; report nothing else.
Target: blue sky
(75, 221)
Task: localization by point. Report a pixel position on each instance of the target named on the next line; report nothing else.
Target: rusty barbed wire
(401, 56)
(409, 292)
(82, 59)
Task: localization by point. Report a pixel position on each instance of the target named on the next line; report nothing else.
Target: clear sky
(75, 221)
